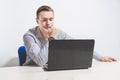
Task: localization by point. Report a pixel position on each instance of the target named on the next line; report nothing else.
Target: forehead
(46, 14)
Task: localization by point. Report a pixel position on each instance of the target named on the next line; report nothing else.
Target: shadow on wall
(12, 62)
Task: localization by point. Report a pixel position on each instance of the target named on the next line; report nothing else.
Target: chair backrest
(22, 55)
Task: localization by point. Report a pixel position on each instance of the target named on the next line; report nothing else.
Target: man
(36, 39)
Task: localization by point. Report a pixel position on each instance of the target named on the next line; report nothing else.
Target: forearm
(35, 52)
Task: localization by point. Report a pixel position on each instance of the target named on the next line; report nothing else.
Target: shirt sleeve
(33, 50)
(96, 55)
(64, 35)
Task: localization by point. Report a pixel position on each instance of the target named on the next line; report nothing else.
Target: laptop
(70, 54)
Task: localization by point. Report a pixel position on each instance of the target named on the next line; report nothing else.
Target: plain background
(82, 19)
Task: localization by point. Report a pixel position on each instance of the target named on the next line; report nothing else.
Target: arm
(96, 56)
(103, 59)
(35, 51)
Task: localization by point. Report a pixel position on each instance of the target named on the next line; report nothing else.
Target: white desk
(99, 71)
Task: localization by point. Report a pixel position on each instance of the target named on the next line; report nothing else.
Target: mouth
(48, 26)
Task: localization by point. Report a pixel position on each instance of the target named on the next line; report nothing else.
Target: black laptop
(70, 54)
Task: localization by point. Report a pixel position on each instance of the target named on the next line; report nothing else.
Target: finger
(110, 60)
(113, 59)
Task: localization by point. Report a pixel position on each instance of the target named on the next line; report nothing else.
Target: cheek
(51, 23)
(43, 23)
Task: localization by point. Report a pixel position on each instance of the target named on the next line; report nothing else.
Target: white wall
(98, 19)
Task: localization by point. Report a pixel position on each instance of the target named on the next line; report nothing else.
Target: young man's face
(46, 19)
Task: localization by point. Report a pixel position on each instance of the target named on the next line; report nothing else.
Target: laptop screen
(70, 54)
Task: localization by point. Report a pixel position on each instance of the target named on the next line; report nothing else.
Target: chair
(22, 55)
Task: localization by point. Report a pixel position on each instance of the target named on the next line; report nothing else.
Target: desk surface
(98, 71)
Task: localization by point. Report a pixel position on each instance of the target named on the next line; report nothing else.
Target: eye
(51, 19)
(43, 20)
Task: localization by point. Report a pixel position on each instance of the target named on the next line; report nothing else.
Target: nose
(48, 21)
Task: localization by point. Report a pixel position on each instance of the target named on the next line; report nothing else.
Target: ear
(37, 20)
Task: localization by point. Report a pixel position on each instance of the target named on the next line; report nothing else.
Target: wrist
(51, 38)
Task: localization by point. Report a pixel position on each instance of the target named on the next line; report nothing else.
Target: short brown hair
(43, 8)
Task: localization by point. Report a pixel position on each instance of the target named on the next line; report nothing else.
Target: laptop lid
(70, 54)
